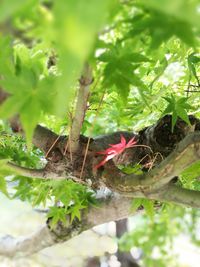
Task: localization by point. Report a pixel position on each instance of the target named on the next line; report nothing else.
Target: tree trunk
(93, 262)
(125, 258)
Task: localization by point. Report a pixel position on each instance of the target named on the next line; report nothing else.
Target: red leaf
(115, 149)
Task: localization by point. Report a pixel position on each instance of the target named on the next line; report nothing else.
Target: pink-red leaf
(115, 149)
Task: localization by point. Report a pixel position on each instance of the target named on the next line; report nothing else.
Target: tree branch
(43, 138)
(181, 196)
(23, 171)
(186, 153)
(10, 246)
(81, 106)
(45, 173)
(110, 209)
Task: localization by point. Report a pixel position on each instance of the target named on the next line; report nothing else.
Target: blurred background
(99, 247)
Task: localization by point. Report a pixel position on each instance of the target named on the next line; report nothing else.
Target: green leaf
(57, 214)
(11, 107)
(134, 57)
(160, 70)
(177, 9)
(149, 207)
(75, 210)
(123, 86)
(147, 204)
(6, 56)
(136, 169)
(77, 24)
(178, 107)
(3, 186)
(192, 65)
(107, 56)
(136, 204)
(7, 9)
(181, 113)
(32, 106)
(192, 172)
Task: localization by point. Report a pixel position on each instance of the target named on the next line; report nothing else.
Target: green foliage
(178, 108)
(72, 197)
(28, 82)
(12, 7)
(177, 9)
(162, 27)
(119, 70)
(190, 177)
(136, 169)
(76, 29)
(193, 61)
(131, 72)
(141, 52)
(3, 184)
(14, 147)
(148, 206)
(26, 68)
(155, 238)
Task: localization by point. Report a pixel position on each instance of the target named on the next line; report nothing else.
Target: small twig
(145, 147)
(70, 148)
(68, 140)
(66, 146)
(41, 210)
(85, 156)
(154, 159)
(54, 143)
(32, 173)
(147, 155)
(192, 91)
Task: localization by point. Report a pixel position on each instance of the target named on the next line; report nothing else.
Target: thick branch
(110, 209)
(115, 208)
(22, 246)
(81, 106)
(181, 196)
(43, 138)
(186, 153)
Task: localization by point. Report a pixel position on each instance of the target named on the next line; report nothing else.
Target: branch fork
(157, 184)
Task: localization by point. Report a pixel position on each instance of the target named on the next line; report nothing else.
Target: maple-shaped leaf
(115, 149)
(178, 107)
